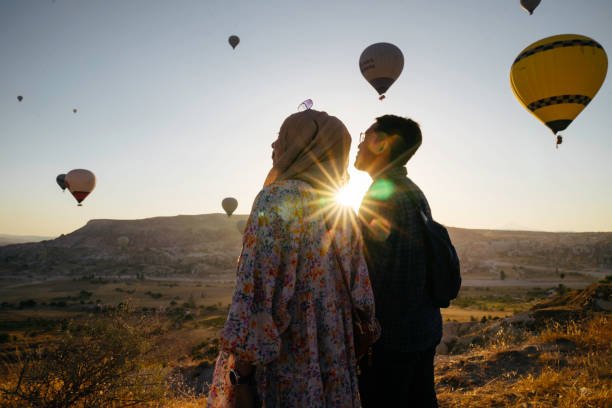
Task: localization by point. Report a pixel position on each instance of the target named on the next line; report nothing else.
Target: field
(179, 318)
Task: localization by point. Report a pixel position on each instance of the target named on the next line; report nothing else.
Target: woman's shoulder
(282, 195)
(281, 190)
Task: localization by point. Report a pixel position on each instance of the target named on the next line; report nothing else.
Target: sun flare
(352, 194)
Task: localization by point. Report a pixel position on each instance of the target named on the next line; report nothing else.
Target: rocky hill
(182, 245)
(205, 245)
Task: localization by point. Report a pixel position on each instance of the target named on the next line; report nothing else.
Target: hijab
(314, 147)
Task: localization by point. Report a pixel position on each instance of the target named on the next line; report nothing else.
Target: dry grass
(573, 369)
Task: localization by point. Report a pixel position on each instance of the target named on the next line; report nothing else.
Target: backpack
(443, 279)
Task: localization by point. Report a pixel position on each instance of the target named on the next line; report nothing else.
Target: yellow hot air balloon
(557, 77)
(80, 182)
(381, 64)
(229, 205)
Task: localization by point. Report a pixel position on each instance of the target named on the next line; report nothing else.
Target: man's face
(369, 150)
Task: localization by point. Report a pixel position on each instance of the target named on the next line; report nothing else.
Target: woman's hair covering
(314, 148)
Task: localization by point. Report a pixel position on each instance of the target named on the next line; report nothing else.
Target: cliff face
(201, 245)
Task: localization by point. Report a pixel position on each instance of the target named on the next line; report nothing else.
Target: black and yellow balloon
(557, 77)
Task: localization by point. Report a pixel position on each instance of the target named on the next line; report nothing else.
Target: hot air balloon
(241, 225)
(557, 77)
(61, 181)
(381, 64)
(530, 5)
(20, 98)
(234, 40)
(307, 104)
(80, 182)
(74, 110)
(229, 204)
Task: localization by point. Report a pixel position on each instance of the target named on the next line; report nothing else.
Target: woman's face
(277, 150)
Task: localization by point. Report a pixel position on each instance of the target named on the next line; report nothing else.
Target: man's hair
(409, 133)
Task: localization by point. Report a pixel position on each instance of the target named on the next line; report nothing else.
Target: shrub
(98, 362)
(27, 303)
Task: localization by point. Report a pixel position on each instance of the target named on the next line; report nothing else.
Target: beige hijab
(314, 148)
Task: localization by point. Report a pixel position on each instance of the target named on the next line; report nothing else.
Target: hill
(7, 239)
(555, 355)
(186, 245)
(208, 246)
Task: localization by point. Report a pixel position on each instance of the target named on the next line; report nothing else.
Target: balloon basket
(79, 205)
(381, 97)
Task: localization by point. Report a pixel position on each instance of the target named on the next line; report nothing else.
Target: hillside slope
(200, 245)
(556, 355)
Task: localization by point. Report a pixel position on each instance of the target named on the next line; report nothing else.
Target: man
(400, 368)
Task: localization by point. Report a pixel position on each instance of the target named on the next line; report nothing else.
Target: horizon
(171, 119)
(50, 237)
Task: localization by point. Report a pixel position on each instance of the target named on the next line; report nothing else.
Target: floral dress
(291, 312)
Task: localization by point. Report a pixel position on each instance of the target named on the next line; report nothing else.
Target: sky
(172, 120)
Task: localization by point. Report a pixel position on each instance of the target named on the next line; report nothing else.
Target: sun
(352, 194)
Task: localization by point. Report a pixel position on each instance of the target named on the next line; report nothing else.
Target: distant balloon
(557, 77)
(381, 64)
(80, 182)
(229, 204)
(307, 104)
(123, 241)
(234, 40)
(241, 225)
(20, 98)
(74, 110)
(61, 181)
(530, 5)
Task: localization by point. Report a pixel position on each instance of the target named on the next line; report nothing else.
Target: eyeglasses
(363, 135)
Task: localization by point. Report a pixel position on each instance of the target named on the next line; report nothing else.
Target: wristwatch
(237, 379)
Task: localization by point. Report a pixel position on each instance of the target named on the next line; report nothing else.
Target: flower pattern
(291, 311)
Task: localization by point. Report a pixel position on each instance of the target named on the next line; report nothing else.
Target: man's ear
(383, 145)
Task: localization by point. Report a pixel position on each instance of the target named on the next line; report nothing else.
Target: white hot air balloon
(80, 182)
(381, 64)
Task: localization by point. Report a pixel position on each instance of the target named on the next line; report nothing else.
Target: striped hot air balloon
(557, 77)
(80, 182)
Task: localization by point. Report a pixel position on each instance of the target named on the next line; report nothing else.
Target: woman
(289, 332)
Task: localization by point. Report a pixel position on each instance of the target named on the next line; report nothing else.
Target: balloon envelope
(556, 78)
(80, 182)
(74, 110)
(20, 98)
(229, 205)
(381, 64)
(241, 225)
(530, 5)
(234, 40)
(61, 181)
(123, 241)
